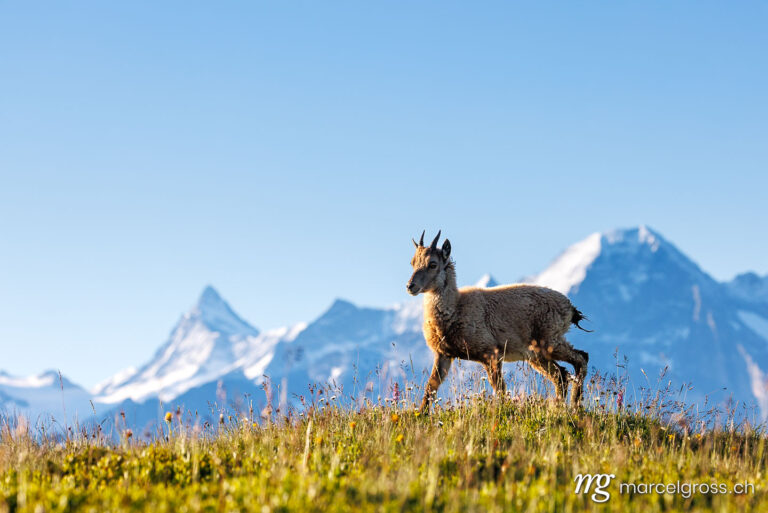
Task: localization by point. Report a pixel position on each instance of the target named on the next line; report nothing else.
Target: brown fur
(491, 326)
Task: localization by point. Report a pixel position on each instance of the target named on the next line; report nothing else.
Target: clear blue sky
(287, 152)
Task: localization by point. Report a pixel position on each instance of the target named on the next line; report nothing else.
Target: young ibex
(495, 325)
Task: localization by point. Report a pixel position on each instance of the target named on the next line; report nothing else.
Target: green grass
(479, 454)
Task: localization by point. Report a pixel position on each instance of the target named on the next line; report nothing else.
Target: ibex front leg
(439, 371)
(495, 374)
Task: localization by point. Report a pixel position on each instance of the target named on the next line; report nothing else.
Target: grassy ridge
(479, 455)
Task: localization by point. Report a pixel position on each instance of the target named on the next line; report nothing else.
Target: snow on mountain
(254, 362)
(637, 245)
(207, 342)
(758, 380)
(47, 396)
(114, 381)
(353, 348)
(570, 268)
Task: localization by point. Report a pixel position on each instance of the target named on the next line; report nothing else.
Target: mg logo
(601, 482)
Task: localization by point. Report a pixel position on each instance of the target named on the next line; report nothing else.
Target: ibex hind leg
(495, 375)
(580, 365)
(564, 351)
(554, 372)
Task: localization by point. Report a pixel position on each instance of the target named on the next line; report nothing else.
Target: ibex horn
(421, 240)
(434, 242)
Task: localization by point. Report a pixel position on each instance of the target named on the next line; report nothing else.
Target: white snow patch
(256, 370)
(43, 380)
(645, 236)
(293, 331)
(758, 381)
(711, 322)
(255, 363)
(570, 268)
(116, 380)
(696, 303)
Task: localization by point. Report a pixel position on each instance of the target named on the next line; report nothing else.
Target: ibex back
(494, 325)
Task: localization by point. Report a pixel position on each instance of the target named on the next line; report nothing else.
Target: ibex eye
(432, 265)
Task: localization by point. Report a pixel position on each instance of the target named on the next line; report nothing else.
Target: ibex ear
(446, 249)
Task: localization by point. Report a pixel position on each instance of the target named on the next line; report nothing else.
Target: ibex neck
(441, 302)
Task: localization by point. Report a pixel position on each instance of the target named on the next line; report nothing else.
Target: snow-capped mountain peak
(639, 245)
(216, 314)
(205, 344)
(641, 235)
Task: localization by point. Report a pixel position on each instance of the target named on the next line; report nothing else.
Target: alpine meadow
(431, 256)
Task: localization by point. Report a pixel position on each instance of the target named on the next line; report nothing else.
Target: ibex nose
(411, 288)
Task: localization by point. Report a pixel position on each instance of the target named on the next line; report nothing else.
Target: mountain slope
(657, 307)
